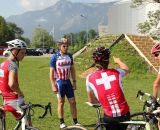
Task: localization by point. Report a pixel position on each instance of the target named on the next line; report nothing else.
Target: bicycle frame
(22, 123)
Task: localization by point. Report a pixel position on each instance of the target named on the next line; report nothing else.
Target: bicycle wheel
(74, 127)
(153, 123)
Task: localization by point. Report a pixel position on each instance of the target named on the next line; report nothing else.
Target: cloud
(106, 1)
(37, 4)
(41, 4)
(41, 20)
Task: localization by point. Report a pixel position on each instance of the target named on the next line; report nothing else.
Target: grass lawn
(34, 81)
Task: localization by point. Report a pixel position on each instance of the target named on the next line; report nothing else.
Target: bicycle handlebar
(30, 106)
(140, 94)
(150, 102)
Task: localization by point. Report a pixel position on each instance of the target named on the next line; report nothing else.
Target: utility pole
(52, 31)
(87, 24)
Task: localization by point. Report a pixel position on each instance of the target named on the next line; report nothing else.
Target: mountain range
(63, 17)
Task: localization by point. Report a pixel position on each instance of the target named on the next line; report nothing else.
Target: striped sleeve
(122, 72)
(53, 61)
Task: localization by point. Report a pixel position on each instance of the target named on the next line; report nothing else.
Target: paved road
(43, 56)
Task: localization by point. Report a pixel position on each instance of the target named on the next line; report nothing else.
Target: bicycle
(26, 112)
(152, 107)
(142, 121)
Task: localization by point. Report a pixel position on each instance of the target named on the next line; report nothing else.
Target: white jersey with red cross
(107, 87)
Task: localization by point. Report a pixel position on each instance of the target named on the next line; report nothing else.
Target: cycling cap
(155, 49)
(62, 41)
(101, 54)
(16, 44)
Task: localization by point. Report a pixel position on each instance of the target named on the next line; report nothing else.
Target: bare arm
(12, 82)
(121, 64)
(156, 86)
(73, 75)
(91, 97)
(73, 72)
(52, 80)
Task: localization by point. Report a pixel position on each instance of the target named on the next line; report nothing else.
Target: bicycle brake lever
(140, 93)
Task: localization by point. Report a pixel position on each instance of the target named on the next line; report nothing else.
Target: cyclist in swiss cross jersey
(61, 66)
(9, 86)
(105, 87)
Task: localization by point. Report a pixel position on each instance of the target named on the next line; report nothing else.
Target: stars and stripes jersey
(107, 87)
(62, 65)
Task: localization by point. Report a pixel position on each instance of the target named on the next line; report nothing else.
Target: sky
(15, 7)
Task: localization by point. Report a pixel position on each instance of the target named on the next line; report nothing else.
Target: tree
(82, 37)
(41, 39)
(14, 31)
(136, 3)
(92, 34)
(150, 25)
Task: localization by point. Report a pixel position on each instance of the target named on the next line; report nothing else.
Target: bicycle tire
(74, 127)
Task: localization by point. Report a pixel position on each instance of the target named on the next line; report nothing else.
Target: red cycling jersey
(107, 87)
(7, 92)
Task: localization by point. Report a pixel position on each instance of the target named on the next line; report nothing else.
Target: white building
(102, 29)
(124, 19)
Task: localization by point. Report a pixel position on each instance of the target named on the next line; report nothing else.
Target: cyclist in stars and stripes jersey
(61, 66)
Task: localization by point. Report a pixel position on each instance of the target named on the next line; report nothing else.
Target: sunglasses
(156, 55)
(65, 46)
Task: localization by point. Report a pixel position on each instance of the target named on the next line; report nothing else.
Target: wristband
(74, 80)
